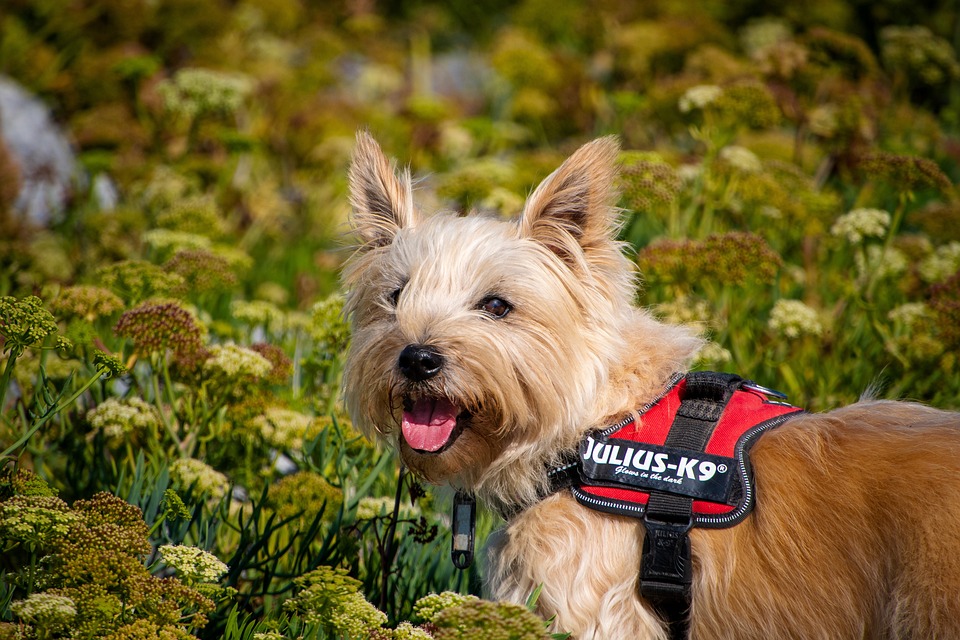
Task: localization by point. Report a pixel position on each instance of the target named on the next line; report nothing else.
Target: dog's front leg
(587, 564)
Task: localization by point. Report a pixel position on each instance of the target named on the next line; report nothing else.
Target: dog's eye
(496, 307)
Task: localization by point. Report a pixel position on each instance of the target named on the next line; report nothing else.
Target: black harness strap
(665, 568)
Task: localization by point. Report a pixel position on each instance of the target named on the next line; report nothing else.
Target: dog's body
(486, 349)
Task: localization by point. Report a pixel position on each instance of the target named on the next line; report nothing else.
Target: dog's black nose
(419, 363)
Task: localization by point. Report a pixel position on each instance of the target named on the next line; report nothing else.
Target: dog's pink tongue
(427, 426)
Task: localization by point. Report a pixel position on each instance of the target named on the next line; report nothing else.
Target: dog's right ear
(382, 201)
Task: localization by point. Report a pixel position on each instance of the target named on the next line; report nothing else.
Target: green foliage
(787, 182)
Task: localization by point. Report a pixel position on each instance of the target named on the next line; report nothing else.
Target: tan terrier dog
(493, 352)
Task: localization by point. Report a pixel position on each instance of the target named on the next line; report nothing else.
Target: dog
(486, 350)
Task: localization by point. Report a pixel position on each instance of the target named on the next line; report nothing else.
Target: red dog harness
(682, 462)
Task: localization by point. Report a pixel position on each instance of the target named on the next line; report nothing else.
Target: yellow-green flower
(192, 564)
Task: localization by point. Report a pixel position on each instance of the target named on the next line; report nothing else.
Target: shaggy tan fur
(856, 533)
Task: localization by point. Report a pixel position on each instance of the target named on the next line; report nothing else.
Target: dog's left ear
(573, 208)
(382, 201)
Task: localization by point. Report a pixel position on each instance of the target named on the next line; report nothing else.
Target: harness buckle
(665, 567)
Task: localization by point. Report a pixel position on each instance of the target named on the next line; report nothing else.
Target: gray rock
(48, 166)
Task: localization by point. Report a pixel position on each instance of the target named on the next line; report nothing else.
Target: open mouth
(431, 424)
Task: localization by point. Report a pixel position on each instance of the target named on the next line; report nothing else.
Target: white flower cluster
(196, 92)
(941, 264)
(792, 319)
(115, 418)
(189, 472)
(713, 353)
(685, 310)
(45, 610)
(741, 158)
(192, 564)
(909, 314)
(283, 428)
(699, 96)
(861, 223)
(882, 262)
(234, 362)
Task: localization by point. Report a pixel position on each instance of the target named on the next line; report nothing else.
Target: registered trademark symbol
(722, 468)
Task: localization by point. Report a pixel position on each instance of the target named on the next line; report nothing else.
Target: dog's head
(478, 342)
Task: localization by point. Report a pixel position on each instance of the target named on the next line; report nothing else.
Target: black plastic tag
(463, 529)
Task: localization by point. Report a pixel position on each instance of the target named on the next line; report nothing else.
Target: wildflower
(919, 55)
(192, 564)
(881, 262)
(193, 215)
(236, 364)
(685, 310)
(46, 611)
(741, 158)
(699, 97)
(861, 223)
(35, 521)
(105, 512)
(284, 429)
(840, 53)
(406, 631)
(945, 304)
(647, 179)
(269, 635)
(331, 598)
(88, 302)
(155, 328)
(909, 314)
(373, 507)
(202, 271)
(525, 62)
(166, 242)
(329, 326)
(111, 365)
(304, 494)
(750, 105)
(118, 418)
(762, 33)
(492, 620)
(906, 173)
(713, 353)
(474, 182)
(173, 506)
(166, 187)
(738, 258)
(22, 482)
(430, 606)
(136, 280)
(941, 264)
(204, 479)
(281, 365)
(792, 319)
(258, 313)
(200, 92)
(24, 323)
(823, 120)
(782, 59)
